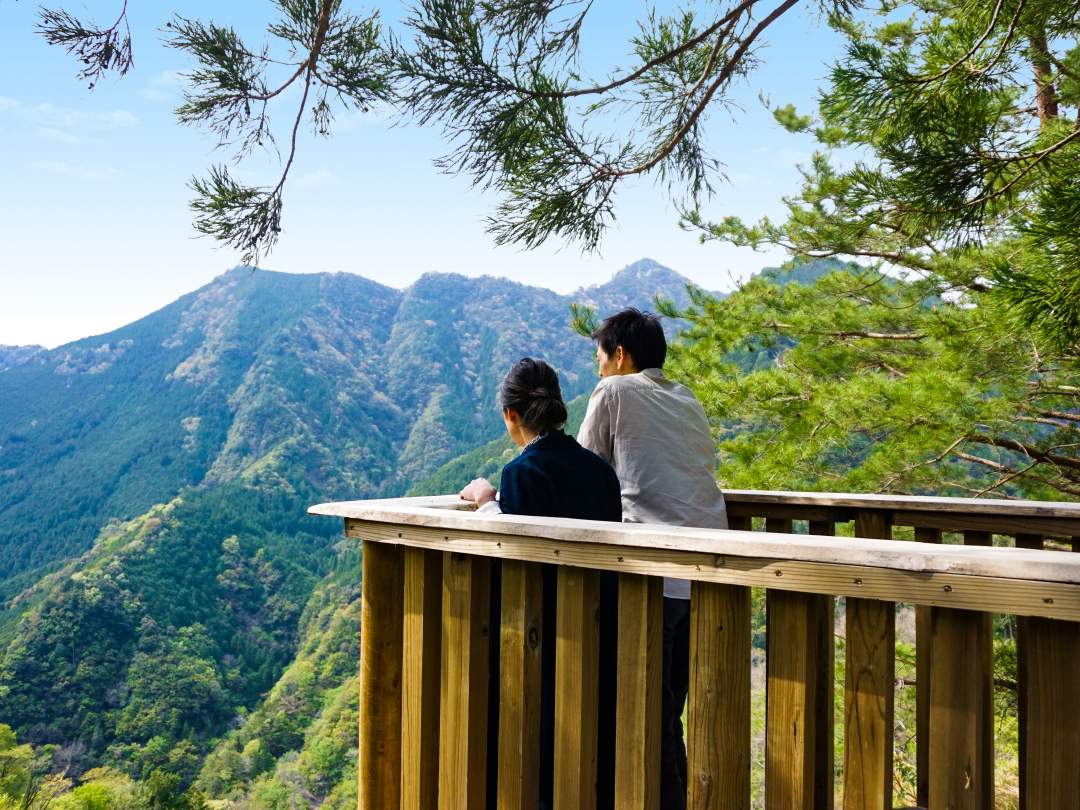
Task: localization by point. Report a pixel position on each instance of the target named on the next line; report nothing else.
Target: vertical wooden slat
(739, 522)
(1034, 541)
(868, 690)
(922, 685)
(799, 670)
(793, 671)
(576, 645)
(780, 525)
(824, 724)
(466, 587)
(1051, 726)
(520, 645)
(379, 762)
(422, 637)
(718, 734)
(978, 538)
(961, 710)
(638, 688)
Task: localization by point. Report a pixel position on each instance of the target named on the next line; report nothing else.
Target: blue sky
(94, 217)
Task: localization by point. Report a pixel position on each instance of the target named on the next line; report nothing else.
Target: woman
(553, 476)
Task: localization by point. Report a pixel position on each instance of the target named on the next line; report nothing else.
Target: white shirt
(655, 434)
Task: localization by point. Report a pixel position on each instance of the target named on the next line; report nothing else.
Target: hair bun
(531, 388)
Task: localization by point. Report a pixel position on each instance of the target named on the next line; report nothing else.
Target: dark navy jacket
(557, 477)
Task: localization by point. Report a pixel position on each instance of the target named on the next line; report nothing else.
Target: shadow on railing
(424, 660)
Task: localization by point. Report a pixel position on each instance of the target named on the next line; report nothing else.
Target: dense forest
(175, 628)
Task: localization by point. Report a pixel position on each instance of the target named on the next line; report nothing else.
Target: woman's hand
(479, 491)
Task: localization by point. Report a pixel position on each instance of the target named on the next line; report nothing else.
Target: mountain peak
(645, 268)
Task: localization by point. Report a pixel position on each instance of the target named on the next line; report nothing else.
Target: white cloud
(63, 169)
(60, 136)
(316, 179)
(50, 115)
(54, 117)
(165, 86)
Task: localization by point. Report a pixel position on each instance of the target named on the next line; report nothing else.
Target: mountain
(357, 388)
(640, 282)
(11, 356)
(156, 562)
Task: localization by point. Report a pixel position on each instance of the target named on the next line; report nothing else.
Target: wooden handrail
(427, 575)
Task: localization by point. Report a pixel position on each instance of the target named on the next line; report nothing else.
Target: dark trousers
(607, 617)
(675, 687)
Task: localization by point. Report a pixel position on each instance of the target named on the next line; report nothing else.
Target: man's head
(628, 342)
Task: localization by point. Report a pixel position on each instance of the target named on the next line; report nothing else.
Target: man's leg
(676, 683)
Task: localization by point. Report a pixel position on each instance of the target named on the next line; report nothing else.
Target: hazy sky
(95, 229)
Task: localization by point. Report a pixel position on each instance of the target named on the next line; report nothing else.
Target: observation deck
(424, 683)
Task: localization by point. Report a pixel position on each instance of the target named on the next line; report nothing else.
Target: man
(655, 434)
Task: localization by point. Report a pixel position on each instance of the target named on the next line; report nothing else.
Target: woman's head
(530, 398)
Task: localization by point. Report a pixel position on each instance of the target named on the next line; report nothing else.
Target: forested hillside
(170, 612)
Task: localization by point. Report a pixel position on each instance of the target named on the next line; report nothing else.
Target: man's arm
(596, 432)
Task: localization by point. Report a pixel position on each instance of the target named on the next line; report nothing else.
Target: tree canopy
(949, 363)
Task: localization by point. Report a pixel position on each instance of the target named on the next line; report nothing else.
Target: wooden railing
(425, 624)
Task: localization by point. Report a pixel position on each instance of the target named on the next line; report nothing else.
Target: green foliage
(864, 382)
(144, 654)
(302, 739)
(327, 54)
(968, 154)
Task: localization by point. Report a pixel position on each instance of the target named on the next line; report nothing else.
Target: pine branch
(99, 49)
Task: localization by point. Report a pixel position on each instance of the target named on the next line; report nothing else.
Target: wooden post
(1050, 777)
(718, 734)
(1034, 541)
(639, 685)
(824, 700)
(520, 644)
(868, 690)
(379, 759)
(576, 683)
(463, 708)
(799, 673)
(922, 686)
(961, 710)
(740, 522)
(420, 680)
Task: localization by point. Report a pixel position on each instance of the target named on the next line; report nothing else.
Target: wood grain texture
(1047, 566)
(638, 687)
(922, 686)
(1050, 777)
(718, 713)
(1012, 594)
(576, 683)
(379, 758)
(868, 691)
(825, 723)
(995, 524)
(796, 667)
(1022, 680)
(961, 710)
(857, 501)
(520, 647)
(464, 688)
(422, 642)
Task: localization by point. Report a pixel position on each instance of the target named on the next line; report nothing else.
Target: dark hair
(531, 389)
(639, 333)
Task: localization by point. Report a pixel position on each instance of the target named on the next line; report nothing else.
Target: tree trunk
(1045, 96)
